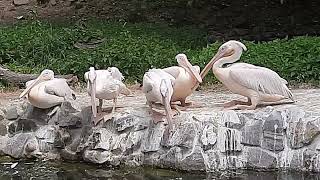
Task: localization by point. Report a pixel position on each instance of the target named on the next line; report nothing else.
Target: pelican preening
(104, 84)
(258, 84)
(47, 91)
(186, 77)
(171, 84)
(168, 85)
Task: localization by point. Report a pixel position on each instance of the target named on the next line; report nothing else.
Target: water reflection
(77, 171)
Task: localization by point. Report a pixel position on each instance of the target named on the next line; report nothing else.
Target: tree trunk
(21, 79)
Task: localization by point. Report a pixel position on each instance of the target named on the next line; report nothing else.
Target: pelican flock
(169, 85)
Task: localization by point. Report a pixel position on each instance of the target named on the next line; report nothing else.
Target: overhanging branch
(21, 79)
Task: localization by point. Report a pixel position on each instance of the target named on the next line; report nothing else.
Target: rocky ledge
(205, 138)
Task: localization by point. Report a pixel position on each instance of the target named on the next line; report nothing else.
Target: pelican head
(116, 74)
(91, 78)
(45, 75)
(183, 62)
(228, 49)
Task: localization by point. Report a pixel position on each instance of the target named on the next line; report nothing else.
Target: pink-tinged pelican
(104, 84)
(47, 91)
(186, 78)
(158, 88)
(258, 84)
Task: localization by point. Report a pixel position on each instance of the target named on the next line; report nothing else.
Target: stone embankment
(205, 137)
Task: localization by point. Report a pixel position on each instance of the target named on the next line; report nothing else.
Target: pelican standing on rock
(104, 84)
(186, 78)
(47, 91)
(158, 88)
(258, 84)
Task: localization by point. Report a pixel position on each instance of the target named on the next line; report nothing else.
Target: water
(82, 171)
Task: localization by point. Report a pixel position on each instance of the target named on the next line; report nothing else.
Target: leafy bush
(134, 48)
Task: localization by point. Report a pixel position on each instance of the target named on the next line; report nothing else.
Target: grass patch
(134, 48)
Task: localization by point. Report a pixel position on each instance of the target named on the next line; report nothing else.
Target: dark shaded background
(259, 20)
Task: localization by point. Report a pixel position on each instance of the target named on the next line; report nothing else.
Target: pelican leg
(157, 119)
(97, 119)
(111, 115)
(150, 105)
(274, 99)
(191, 103)
(254, 102)
(100, 114)
(241, 107)
(100, 105)
(155, 115)
(271, 98)
(236, 102)
(114, 105)
(54, 110)
(177, 110)
(184, 103)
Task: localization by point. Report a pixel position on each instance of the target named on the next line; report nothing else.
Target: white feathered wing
(261, 79)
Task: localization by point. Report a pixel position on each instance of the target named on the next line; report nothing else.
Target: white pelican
(258, 84)
(186, 78)
(47, 91)
(158, 88)
(104, 84)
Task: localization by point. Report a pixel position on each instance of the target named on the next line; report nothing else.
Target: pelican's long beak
(166, 93)
(92, 83)
(193, 71)
(206, 69)
(28, 89)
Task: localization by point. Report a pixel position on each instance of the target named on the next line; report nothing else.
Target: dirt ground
(248, 20)
(8, 95)
(10, 13)
(204, 100)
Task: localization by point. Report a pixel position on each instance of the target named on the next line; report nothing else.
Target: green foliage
(134, 48)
